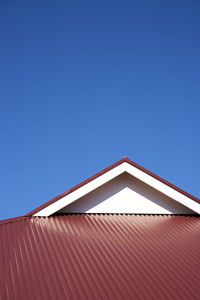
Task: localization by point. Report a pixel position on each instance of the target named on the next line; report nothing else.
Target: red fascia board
(163, 181)
(75, 187)
(125, 159)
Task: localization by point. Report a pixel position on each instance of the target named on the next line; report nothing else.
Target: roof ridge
(12, 220)
(21, 218)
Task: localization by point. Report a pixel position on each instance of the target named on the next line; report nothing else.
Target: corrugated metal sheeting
(100, 257)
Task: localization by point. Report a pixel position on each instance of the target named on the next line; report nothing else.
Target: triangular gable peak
(124, 187)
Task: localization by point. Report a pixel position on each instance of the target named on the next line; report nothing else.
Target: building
(124, 233)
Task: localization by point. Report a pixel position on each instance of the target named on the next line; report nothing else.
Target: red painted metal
(125, 159)
(88, 256)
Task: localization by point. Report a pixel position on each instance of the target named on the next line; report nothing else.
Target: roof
(89, 256)
(187, 196)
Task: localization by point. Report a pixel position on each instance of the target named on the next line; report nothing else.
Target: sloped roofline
(123, 160)
(15, 219)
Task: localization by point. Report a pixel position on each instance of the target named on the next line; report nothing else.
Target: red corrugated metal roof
(90, 256)
(125, 159)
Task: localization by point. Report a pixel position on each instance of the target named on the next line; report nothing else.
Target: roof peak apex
(127, 163)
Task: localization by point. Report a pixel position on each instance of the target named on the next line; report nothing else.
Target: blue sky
(83, 83)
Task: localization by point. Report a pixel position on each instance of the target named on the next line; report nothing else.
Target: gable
(126, 194)
(140, 192)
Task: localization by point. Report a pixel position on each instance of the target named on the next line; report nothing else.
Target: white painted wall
(126, 194)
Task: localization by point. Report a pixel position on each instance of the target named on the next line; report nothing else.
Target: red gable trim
(125, 159)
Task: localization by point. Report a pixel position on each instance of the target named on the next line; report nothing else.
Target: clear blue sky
(83, 83)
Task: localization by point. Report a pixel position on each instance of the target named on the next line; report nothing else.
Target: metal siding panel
(88, 256)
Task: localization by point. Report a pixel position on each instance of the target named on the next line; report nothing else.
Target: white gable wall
(104, 179)
(126, 194)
